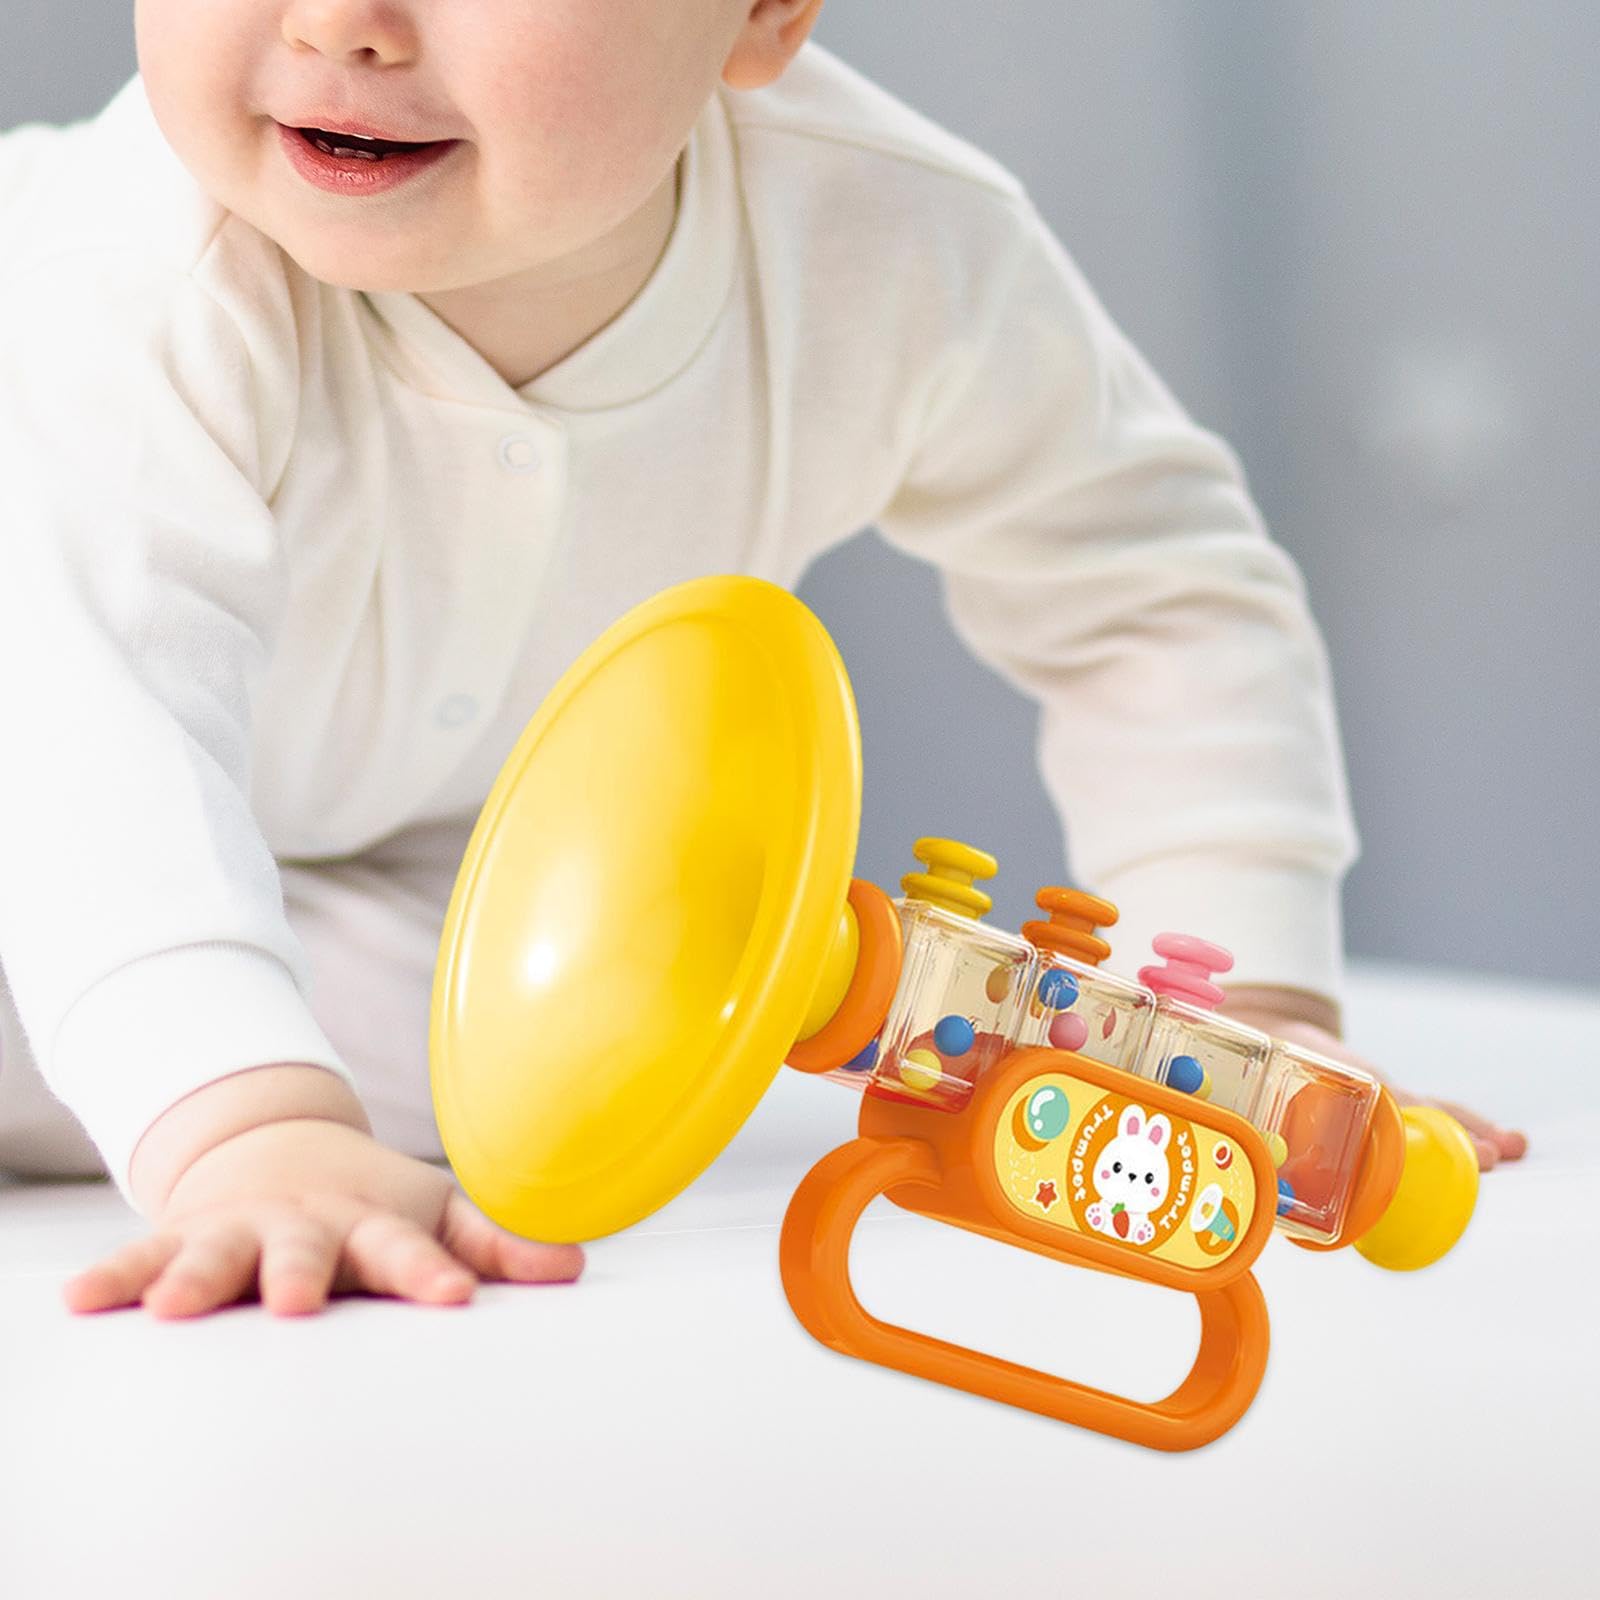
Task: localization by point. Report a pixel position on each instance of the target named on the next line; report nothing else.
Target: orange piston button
(1074, 919)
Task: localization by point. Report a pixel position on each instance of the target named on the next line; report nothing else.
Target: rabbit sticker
(1131, 1178)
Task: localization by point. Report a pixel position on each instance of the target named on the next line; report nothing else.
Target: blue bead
(1285, 1196)
(1185, 1074)
(953, 1036)
(865, 1061)
(1058, 989)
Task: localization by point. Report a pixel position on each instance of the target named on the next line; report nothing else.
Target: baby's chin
(382, 269)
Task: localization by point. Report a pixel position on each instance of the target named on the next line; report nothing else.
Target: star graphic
(1045, 1195)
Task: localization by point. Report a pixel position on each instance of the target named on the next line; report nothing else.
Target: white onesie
(285, 568)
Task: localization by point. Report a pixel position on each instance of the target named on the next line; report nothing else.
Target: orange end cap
(866, 1002)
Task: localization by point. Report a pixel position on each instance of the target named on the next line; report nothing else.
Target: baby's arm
(1102, 552)
(142, 927)
(269, 1181)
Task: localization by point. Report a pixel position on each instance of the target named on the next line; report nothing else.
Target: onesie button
(519, 453)
(456, 711)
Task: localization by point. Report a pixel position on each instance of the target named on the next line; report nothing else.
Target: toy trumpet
(656, 910)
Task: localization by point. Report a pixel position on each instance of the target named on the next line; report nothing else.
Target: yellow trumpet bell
(647, 908)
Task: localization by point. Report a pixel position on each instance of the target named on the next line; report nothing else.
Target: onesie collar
(646, 345)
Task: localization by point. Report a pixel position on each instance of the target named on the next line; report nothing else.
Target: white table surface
(667, 1429)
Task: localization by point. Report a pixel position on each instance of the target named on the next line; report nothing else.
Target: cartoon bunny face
(1133, 1168)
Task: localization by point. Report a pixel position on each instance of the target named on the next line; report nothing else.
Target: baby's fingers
(491, 1252)
(1493, 1142)
(299, 1258)
(386, 1254)
(213, 1267)
(123, 1277)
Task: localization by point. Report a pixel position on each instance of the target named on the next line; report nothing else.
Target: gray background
(1359, 239)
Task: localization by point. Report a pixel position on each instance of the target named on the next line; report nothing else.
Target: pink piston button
(1186, 973)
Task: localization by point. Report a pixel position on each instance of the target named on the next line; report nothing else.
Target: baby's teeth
(347, 150)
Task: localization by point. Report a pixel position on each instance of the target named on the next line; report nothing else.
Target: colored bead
(920, 1069)
(1277, 1148)
(1047, 1113)
(998, 984)
(865, 1061)
(953, 1036)
(1285, 1196)
(1057, 989)
(1185, 1074)
(1068, 1031)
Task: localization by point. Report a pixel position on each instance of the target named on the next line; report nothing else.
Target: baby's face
(569, 115)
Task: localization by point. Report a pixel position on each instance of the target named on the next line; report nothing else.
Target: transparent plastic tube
(963, 991)
(1076, 1004)
(1317, 1112)
(1192, 1048)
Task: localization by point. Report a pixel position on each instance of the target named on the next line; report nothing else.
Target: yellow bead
(920, 1069)
(1280, 1151)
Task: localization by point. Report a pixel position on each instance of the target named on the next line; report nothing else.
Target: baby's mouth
(352, 147)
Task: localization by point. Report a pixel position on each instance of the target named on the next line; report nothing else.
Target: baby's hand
(1306, 1019)
(297, 1210)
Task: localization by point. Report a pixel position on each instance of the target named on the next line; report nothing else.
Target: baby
(359, 364)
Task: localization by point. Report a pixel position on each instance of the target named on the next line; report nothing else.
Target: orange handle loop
(814, 1257)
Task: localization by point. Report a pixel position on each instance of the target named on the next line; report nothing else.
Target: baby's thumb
(496, 1255)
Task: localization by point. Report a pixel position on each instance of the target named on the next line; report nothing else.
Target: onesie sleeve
(142, 929)
(1101, 552)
